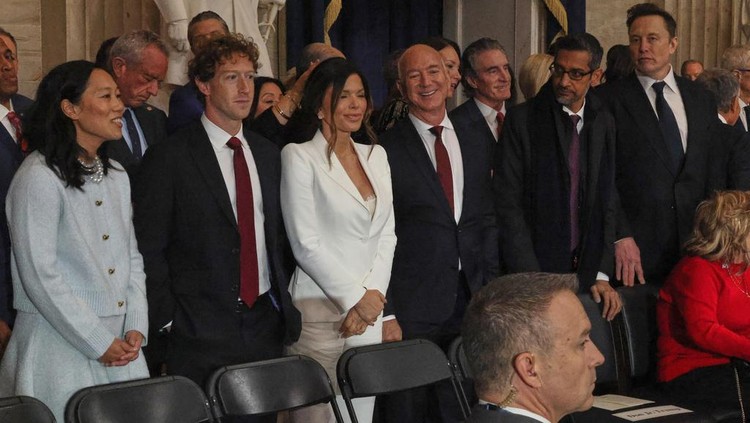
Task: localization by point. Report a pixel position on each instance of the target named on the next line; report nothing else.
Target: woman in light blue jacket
(78, 280)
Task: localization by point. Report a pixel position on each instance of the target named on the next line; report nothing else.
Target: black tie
(747, 116)
(669, 128)
(135, 139)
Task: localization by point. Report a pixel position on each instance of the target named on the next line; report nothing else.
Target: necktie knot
(437, 130)
(659, 87)
(575, 119)
(13, 118)
(234, 143)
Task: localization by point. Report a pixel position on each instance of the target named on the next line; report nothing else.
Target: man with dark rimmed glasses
(554, 181)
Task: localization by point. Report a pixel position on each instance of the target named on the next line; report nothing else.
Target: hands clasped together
(363, 314)
(123, 351)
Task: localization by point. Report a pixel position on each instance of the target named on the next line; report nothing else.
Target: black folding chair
(270, 386)
(23, 409)
(396, 366)
(463, 373)
(157, 400)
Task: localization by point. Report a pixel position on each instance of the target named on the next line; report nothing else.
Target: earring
(320, 116)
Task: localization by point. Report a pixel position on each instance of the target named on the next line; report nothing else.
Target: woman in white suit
(337, 204)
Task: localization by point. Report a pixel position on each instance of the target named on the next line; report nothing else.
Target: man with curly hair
(208, 222)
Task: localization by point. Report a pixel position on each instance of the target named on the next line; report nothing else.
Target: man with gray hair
(138, 64)
(526, 337)
(736, 59)
(729, 166)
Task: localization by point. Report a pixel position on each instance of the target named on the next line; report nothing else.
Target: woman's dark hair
(52, 133)
(439, 43)
(331, 73)
(619, 63)
(259, 82)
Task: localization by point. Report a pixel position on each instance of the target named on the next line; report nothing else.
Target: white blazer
(340, 250)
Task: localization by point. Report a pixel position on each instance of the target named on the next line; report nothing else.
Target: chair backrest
(460, 363)
(395, 366)
(641, 329)
(23, 409)
(157, 400)
(612, 376)
(270, 386)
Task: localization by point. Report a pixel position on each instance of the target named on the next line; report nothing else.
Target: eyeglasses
(575, 74)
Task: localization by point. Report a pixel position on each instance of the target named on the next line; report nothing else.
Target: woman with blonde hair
(702, 309)
(534, 73)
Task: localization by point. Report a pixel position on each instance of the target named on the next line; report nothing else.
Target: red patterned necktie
(246, 225)
(15, 121)
(500, 119)
(443, 164)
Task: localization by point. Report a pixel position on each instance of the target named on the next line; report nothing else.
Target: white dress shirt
(743, 116)
(6, 122)
(225, 157)
(674, 99)
(490, 115)
(454, 155)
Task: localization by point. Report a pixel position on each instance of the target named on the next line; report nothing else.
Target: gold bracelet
(281, 112)
(292, 99)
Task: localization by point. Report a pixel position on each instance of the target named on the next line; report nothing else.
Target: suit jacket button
(120, 303)
(235, 250)
(105, 237)
(234, 288)
(98, 203)
(110, 271)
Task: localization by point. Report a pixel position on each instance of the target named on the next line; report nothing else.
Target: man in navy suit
(12, 108)
(526, 338)
(138, 64)
(664, 136)
(184, 106)
(445, 224)
(221, 286)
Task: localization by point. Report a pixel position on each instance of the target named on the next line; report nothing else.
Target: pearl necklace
(93, 172)
(735, 277)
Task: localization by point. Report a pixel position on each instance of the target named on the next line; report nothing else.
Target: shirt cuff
(602, 277)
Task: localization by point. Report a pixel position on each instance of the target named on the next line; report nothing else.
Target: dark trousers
(436, 403)
(710, 389)
(257, 334)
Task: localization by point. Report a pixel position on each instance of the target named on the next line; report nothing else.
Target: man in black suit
(12, 108)
(445, 223)
(138, 63)
(554, 183)
(730, 154)
(526, 338)
(487, 81)
(663, 142)
(736, 59)
(208, 222)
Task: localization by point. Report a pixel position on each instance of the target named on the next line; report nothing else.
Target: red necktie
(443, 164)
(500, 120)
(575, 173)
(246, 225)
(15, 121)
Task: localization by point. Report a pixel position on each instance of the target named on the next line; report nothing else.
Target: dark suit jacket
(425, 274)
(10, 159)
(532, 185)
(480, 414)
(729, 165)
(190, 243)
(470, 117)
(153, 122)
(184, 107)
(657, 205)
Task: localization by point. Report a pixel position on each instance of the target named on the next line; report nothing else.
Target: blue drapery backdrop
(576, 11)
(366, 31)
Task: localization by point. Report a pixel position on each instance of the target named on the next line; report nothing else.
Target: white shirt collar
(218, 136)
(721, 118)
(423, 126)
(4, 110)
(647, 81)
(488, 112)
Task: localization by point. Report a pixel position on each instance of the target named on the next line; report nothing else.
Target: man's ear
(119, 66)
(596, 77)
(400, 88)
(525, 365)
(69, 109)
(472, 81)
(203, 87)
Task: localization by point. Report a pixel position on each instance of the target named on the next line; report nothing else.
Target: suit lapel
(205, 158)
(335, 170)
(478, 119)
(416, 149)
(639, 107)
(7, 144)
(144, 120)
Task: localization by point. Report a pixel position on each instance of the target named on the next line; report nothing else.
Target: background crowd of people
(261, 218)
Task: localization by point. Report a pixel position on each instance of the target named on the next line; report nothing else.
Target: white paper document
(651, 412)
(612, 402)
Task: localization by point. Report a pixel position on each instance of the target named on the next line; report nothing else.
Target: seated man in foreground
(526, 337)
